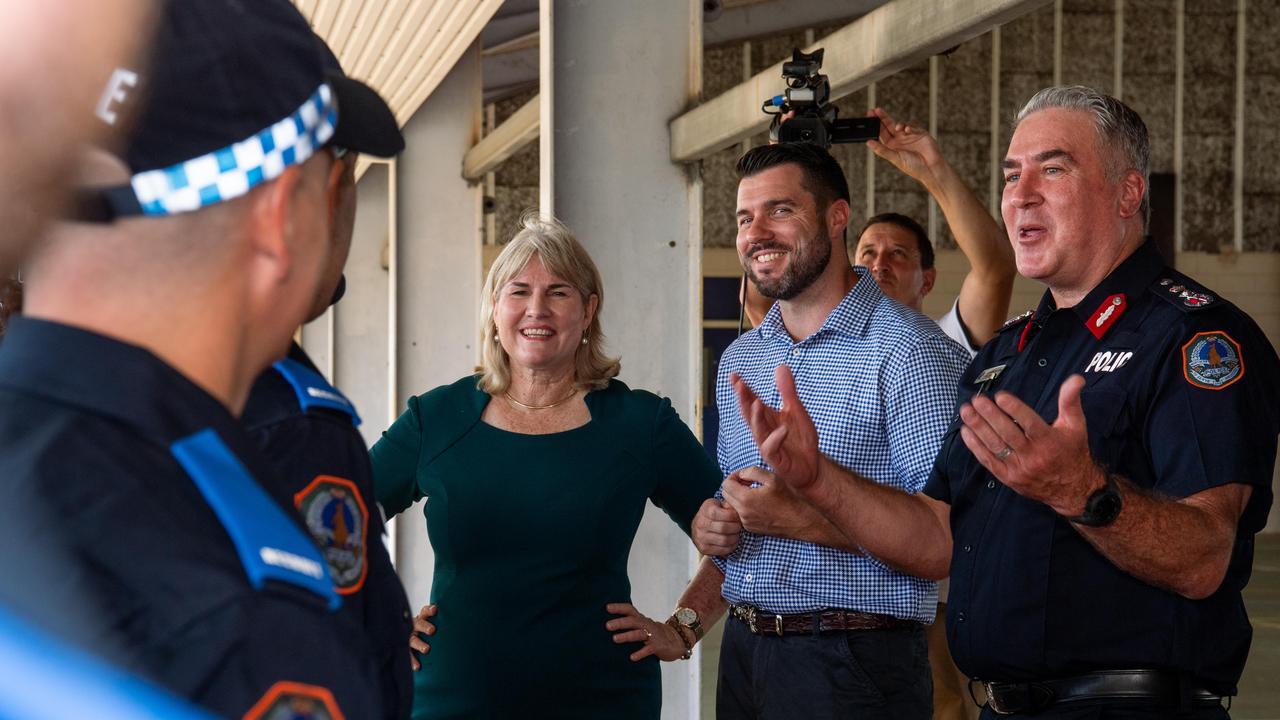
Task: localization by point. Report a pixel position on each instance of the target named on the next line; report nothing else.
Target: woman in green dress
(534, 475)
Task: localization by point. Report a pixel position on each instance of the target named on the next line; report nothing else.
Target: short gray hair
(1121, 132)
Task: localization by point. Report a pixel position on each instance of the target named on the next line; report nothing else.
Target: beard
(808, 260)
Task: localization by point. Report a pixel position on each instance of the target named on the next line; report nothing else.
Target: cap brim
(365, 123)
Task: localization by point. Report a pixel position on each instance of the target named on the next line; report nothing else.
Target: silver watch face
(686, 616)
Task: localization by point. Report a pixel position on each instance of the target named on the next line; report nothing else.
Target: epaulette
(313, 390)
(1182, 294)
(271, 546)
(1016, 321)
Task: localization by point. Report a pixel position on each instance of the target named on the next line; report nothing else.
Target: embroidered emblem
(1015, 320)
(1106, 315)
(295, 701)
(1108, 361)
(1176, 289)
(339, 521)
(1212, 360)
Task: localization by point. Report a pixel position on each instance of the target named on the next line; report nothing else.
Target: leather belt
(760, 622)
(1157, 687)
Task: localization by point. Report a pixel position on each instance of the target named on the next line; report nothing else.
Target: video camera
(808, 93)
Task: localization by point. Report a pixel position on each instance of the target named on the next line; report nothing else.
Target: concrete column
(360, 324)
(437, 270)
(621, 70)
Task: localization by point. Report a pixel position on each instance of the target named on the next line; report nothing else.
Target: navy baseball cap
(235, 92)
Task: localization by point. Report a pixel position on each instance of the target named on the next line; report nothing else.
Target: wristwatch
(688, 617)
(1102, 507)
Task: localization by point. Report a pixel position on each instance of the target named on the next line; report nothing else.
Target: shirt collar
(1130, 279)
(850, 317)
(109, 378)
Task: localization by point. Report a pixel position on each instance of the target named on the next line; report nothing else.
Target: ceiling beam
(524, 42)
(878, 44)
(506, 140)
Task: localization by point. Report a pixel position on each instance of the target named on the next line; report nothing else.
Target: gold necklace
(561, 401)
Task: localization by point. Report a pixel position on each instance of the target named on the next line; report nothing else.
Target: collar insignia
(1106, 315)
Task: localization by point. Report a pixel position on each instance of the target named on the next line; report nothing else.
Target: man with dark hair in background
(193, 257)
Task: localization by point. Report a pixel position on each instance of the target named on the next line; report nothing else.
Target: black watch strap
(1102, 507)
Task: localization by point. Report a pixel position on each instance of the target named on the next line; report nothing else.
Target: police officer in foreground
(1097, 497)
(307, 429)
(194, 256)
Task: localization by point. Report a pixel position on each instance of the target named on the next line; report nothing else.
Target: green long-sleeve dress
(531, 536)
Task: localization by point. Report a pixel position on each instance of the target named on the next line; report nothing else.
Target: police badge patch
(338, 521)
(295, 701)
(1212, 360)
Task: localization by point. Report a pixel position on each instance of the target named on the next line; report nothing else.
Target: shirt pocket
(1107, 421)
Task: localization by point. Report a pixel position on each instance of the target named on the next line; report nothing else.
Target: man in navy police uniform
(1097, 497)
(193, 257)
(307, 428)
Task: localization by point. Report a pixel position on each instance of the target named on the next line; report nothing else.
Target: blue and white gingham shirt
(879, 380)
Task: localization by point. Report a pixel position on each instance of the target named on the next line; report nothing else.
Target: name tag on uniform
(988, 376)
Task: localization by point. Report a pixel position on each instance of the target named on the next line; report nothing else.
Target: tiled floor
(1259, 697)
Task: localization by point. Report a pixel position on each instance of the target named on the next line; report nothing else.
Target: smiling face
(541, 319)
(892, 254)
(783, 242)
(1065, 217)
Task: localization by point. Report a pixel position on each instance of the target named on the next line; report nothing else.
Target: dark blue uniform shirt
(195, 577)
(308, 430)
(1180, 397)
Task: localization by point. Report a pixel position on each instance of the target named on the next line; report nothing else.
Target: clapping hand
(787, 438)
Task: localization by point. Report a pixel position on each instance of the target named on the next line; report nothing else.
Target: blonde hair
(563, 256)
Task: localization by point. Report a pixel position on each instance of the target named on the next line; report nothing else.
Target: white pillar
(438, 270)
(621, 71)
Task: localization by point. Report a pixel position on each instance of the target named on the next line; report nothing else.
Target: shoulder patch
(338, 520)
(1182, 294)
(271, 546)
(313, 390)
(295, 701)
(1212, 360)
(1015, 321)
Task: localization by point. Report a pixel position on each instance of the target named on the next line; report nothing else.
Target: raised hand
(1047, 463)
(787, 438)
(910, 149)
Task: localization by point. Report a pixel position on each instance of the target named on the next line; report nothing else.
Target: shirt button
(748, 578)
(991, 484)
(960, 617)
(795, 351)
(968, 548)
(1042, 362)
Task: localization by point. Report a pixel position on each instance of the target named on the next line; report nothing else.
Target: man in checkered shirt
(819, 628)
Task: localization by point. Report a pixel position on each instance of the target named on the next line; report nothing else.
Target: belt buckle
(995, 705)
(777, 624)
(751, 620)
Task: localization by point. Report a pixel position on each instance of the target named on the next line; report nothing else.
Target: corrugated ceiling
(402, 48)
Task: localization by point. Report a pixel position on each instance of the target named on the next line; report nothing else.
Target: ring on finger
(648, 635)
(1005, 452)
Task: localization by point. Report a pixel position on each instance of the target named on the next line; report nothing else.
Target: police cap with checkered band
(235, 92)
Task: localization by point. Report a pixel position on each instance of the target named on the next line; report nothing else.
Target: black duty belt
(1153, 686)
(760, 622)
